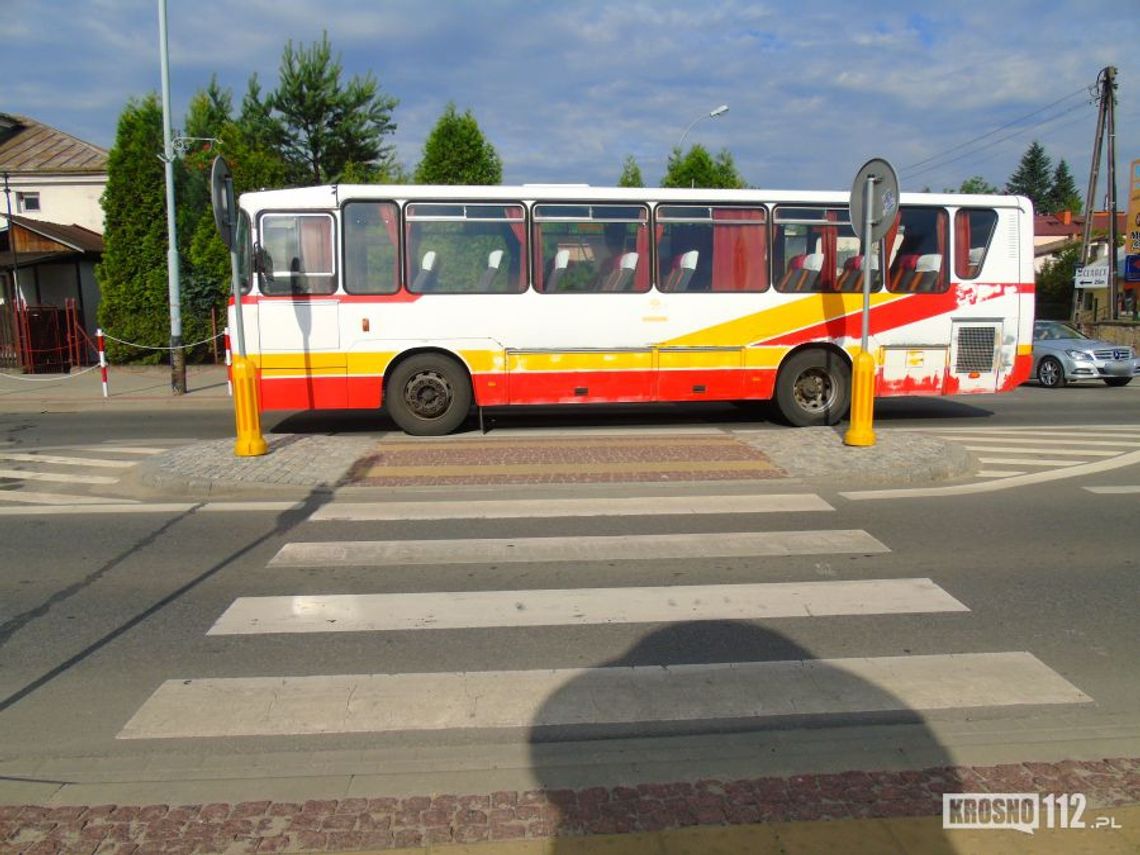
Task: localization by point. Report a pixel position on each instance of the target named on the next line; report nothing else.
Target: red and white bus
(428, 300)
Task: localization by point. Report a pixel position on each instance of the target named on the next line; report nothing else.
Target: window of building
(591, 248)
(466, 248)
(371, 237)
(973, 230)
(702, 248)
(297, 254)
(28, 203)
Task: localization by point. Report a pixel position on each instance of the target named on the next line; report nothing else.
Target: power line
(910, 172)
(999, 129)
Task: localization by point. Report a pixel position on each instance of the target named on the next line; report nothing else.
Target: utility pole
(177, 355)
(1105, 121)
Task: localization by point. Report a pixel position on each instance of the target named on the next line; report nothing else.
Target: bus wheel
(814, 388)
(428, 395)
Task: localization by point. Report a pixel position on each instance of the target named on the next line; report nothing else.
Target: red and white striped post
(102, 359)
(229, 363)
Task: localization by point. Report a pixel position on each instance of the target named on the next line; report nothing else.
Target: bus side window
(370, 257)
(919, 264)
(303, 243)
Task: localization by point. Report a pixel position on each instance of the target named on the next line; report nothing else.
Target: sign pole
(874, 204)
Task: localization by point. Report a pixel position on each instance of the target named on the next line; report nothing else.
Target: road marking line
(23, 475)
(580, 606)
(33, 498)
(57, 460)
(376, 703)
(384, 553)
(1070, 471)
(1115, 491)
(997, 473)
(1028, 461)
(1067, 430)
(532, 508)
(131, 506)
(1027, 441)
(123, 449)
(1021, 449)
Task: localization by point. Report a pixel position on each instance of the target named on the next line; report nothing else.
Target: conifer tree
(456, 152)
(1064, 195)
(132, 277)
(1033, 177)
(630, 174)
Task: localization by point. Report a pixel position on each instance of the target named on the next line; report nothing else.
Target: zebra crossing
(1014, 451)
(498, 696)
(86, 472)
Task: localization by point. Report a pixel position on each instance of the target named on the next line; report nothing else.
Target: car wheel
(1117, 381)
(428, 395)
(1050, 373)
(814, 388)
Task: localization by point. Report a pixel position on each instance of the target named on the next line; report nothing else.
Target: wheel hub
(813, 390)
(428, 395)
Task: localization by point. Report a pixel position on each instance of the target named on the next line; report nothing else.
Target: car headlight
(1079, 355)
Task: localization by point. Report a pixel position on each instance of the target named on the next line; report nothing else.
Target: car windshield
(1053, 330)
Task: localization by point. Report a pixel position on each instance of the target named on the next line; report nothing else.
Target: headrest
(930, 262)
(814, 261)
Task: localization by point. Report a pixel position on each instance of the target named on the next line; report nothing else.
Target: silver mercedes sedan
(1062, 354)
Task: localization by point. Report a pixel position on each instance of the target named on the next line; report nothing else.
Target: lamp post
(711, 114)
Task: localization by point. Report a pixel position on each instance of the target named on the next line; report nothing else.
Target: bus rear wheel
(428, 395)
(814, 388)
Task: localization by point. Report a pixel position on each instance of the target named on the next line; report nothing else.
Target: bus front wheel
(814, 388)
(428, 395)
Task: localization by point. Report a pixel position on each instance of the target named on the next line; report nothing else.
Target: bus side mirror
(263, 264)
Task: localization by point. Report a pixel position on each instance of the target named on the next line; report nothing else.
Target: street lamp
(711, 114)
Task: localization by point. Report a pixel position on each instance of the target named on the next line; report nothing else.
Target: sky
(565, 90)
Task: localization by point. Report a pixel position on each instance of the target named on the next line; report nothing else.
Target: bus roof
(329, 196)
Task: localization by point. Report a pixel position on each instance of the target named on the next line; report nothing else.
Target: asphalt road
(99, 612)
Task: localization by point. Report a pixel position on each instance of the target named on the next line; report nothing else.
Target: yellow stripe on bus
(780, 320)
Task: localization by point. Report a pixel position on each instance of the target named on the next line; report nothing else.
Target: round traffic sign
(222, 198)
(884, 198)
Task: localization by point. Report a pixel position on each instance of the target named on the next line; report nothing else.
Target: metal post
(1110, 120)
(177, 356)
(868, 221)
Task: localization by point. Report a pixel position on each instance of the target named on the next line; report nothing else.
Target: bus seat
(977, 254)
(557, 268)
(425, 279)
(622, 278)
(684, 266)
(851, 276)
(903, 272)
(792, 274)
(813, 264)
(926, 271)
(494, 260)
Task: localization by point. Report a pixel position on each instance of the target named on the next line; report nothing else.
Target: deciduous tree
(699, 169)
(630, 173)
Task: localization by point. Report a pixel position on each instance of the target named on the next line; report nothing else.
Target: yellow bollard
(247, 414)
(862, 401)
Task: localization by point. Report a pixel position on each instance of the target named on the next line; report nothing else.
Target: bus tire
(814, 388)
(428, 395)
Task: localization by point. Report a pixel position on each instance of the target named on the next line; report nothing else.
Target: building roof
(31, 147)
(71, 238)
(1065, 224)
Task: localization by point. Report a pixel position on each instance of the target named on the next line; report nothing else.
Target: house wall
(66, 199)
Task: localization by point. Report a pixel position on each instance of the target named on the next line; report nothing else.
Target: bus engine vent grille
(976, 346)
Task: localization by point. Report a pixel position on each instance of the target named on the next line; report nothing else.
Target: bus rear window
(973, 230)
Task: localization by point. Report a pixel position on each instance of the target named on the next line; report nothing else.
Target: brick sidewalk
(564, 459)
(417, 821)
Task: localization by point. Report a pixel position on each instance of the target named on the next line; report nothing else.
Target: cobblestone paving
(562, 460)
(388, 823)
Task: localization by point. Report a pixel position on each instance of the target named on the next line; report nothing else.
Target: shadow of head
(722, 722)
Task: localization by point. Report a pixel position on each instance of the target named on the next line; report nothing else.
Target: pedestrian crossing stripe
(388, 553)
(580, 606)
(380, 703)
(571, 507)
